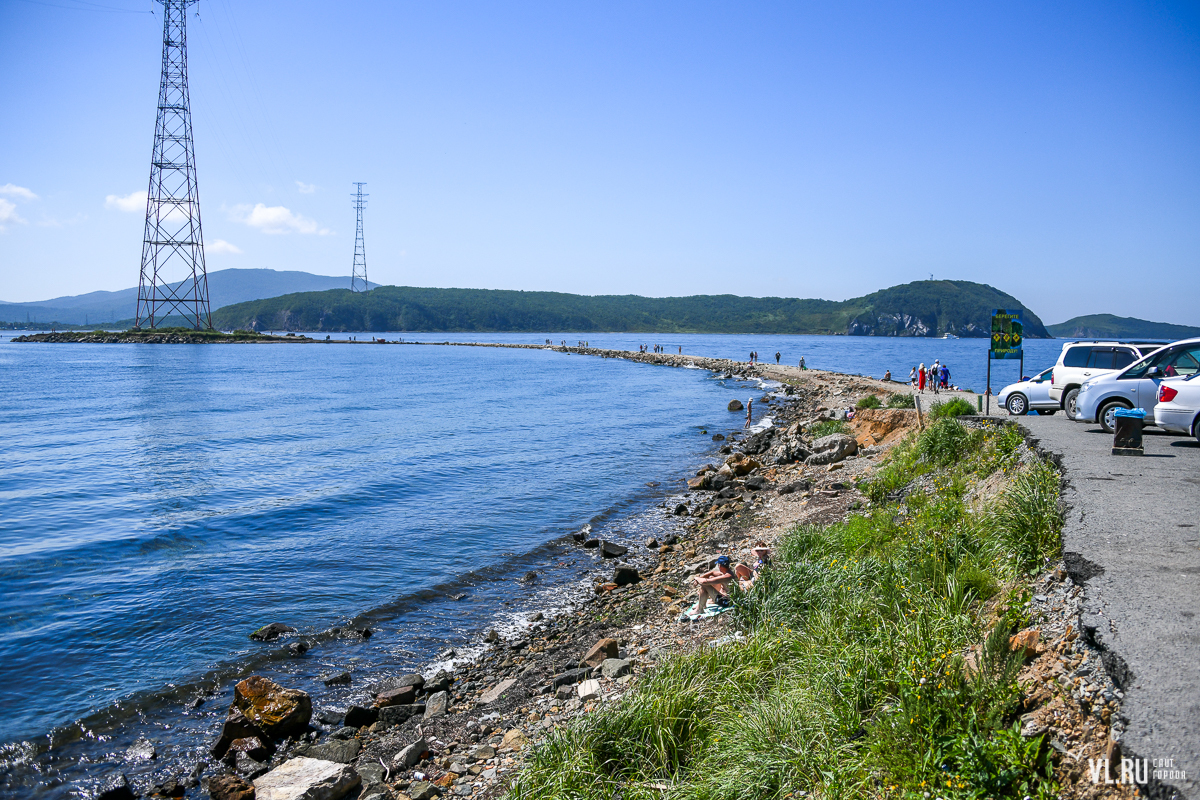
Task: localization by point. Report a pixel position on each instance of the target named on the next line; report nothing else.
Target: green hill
(1108, 326)
(923, 308)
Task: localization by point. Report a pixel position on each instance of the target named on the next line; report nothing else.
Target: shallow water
(160, 503)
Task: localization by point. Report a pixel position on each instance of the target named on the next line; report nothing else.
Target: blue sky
(797, 149)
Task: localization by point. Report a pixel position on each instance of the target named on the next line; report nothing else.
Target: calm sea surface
(157, 504)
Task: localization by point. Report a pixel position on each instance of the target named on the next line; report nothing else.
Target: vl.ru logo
(1135, 771)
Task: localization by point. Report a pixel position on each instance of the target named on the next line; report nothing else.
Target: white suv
(1080, 360)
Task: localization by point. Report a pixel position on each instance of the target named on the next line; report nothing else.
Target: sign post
(1007, 336)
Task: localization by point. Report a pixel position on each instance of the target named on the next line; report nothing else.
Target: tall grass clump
(870, 401)
(953, 408)
(850, 681)
(828, 427)
(900, 400)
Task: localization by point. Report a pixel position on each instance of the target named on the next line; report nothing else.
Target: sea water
(158, 504)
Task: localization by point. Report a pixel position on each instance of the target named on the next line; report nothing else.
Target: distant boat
(949, 336)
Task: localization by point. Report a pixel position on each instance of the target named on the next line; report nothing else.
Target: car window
(1140, 369)
(1123, 358)
(1077, 357)
(1102, 358)
(1185, 361)
(1043, 376)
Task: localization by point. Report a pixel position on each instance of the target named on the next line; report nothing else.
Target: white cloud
(134, 201)
(222, 246)
(306, 188)
(17, 191)
(8, 214)
(275, 219)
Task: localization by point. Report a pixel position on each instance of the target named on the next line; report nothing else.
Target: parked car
(1178, 406)
(1080, 360)
(1136, 386)
(1029, 394)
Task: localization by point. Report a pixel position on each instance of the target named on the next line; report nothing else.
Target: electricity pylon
(358, 273)
(173, 279)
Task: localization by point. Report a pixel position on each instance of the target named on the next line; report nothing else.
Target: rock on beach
(307, 779)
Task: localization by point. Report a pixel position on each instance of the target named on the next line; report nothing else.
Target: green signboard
(1007, 334)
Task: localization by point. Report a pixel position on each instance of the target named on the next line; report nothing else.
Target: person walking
(749, 411)
(945, 376)
(921, 378)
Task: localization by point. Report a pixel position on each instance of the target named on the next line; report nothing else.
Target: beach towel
(711, 610)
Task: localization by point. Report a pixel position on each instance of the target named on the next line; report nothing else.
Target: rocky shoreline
(462, 733)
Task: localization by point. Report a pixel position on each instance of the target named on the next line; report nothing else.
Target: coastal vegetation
(871, 660)
(1109, 326)
(922, 308)
(174, 334)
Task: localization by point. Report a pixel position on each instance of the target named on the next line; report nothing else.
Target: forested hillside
(923, 308)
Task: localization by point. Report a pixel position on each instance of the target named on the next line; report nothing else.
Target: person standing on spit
(921, 378)
(912, 377)
(802, 363)
(777, 356)
(749, 411)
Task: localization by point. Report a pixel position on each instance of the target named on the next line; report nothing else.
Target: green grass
(954, 408)
(900, 400)
(870, 401)
(850, 681)
(828, 427)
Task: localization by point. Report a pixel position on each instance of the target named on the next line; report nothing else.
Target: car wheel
(1107, 415)
(1196, 429)
(1069, 404)
(1017, 404)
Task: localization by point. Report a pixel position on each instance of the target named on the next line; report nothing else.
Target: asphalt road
(1135, 523)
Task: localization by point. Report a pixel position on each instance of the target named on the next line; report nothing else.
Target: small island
(160, 336)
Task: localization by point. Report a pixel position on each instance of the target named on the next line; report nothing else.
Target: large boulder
(307, 779)
(229, 787)
(391, 716)
(623, 576)
(605, 648)
(437, 705)
(411, 755)
(115, 786)
(235, 727)
(615, 667)
(342, 751)
(611, 550)
(276, 711)
(735, 405)
(358, 716)
(832, 448)
(269, 633)
(402, 695)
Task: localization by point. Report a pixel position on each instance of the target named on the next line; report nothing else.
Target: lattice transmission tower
(173, 279)
(358, 273)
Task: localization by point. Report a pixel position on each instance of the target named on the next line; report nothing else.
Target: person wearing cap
(713, 586)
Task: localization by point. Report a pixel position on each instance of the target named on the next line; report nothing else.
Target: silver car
(1136, 386)
(1031, 394)
(1178, 406)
